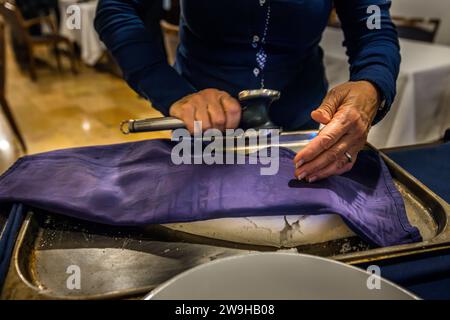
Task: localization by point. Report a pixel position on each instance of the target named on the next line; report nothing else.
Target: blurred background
(60, 88)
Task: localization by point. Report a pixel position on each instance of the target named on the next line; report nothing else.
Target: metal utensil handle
(151, 124)
(252, 117)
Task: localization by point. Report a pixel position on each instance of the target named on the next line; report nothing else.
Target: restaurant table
(86, 37)
(421, 111)
(426, 274)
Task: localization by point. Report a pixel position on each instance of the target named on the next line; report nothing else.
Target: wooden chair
(19, 27)
(333, 20)
(172, 14)
(3, 102)
(171, 40)
(420, 29)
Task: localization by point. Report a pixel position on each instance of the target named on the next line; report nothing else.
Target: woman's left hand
(347, 111)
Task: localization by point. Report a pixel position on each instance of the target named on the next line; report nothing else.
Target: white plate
(277, 276)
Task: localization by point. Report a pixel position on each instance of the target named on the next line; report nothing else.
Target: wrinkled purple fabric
(136, 184)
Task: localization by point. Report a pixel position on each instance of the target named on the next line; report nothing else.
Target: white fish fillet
(275, 231)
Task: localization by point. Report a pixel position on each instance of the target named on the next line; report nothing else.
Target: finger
(339, 167)
(176, 109)
(187, 114)
(325, 112)
(202, 114)
(217, 115)
(232, 110)
(328, 137)
(328, 157)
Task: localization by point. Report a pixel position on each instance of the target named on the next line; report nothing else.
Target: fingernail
(312, 179)
(302, 176)
(300, 163)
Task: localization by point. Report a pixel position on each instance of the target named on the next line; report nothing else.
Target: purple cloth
(136, 183)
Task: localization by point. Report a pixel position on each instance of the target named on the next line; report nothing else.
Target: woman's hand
(214, 108)
(347, 111)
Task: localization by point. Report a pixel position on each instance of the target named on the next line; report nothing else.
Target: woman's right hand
(214, 108)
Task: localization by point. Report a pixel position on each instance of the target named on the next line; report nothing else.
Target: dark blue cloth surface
(431, 165)
(426, 275)
(137, 183)
(217, 50)
(8, 239)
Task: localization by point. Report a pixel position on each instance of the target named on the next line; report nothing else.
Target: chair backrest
(14, 19)
(2, 60)
(10, 137)
(171, 39)
(420, 29)
(333, 20)
(171, 13)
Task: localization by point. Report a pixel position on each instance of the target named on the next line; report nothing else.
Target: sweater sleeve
(372, 45)
(139, 52)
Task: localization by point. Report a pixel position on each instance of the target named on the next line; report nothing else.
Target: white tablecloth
(421, 111)
(86, 37)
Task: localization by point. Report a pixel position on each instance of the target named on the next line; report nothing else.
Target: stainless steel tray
(126, 263)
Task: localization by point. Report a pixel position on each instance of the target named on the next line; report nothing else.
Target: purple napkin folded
(136, 184)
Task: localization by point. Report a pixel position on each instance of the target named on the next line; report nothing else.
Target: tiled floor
(62, 110)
